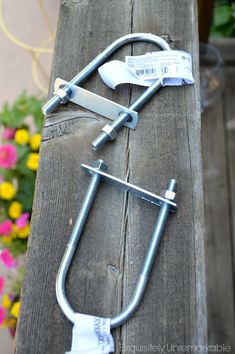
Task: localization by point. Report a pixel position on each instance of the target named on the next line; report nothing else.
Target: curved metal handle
(101, 58)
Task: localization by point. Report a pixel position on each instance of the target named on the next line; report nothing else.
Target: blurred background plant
(224, 19)
(26, 39)
(21, 136)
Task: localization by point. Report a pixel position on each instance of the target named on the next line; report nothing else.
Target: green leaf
(7, 174)
(17, 247)
(26, 192)
(223, 14)
(224, 19)
(23, 107)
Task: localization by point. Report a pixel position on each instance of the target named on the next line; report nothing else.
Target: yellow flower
(7, 190)
(24, 231)
(22, 136)
(32, 162)
(6, 302)
(14, 231)
(15, 210)
(35, 141)
(15, 309)
(6, 240)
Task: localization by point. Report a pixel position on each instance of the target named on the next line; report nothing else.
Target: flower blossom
(22, 221)
(8, 133)
(8, 156)
(22, 136)
(7, 258)
(33, 161)
(15, 309)
(6, 227)
(2, 283)
(2, 315)
(15, 210)
(7, 190)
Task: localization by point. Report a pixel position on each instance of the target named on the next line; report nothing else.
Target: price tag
(91, 335)
(172, 68)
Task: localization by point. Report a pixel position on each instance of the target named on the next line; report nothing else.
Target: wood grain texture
(165, 145)
(230, 139)
(218, 245)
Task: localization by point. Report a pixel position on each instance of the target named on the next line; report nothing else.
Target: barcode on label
(150, 71)
(145, 72)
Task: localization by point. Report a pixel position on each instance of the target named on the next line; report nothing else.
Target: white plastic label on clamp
(91, 335)
(171, 67)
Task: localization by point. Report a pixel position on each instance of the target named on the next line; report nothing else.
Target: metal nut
(168, 194)
(110, 131)
(100, 165)
(64, 97)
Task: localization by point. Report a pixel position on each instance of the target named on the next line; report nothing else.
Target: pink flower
(22, 221)
(8, 133)
(6, 227)
(8, 156)
(2, 315)
(2, 283)
(7, 258)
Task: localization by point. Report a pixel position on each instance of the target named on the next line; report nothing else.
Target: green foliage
(19, 162)
(224, 19)
(18, 247)
(24, 106)
(17, 283)
(21, 175)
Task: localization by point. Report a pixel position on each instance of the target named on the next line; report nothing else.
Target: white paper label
(91, 335)
(172, 68)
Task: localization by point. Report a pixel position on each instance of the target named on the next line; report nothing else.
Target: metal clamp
(122, 119)
(166, 204)
(95, 103)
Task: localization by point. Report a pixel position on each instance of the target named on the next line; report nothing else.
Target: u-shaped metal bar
(166, 205)
(95, 64)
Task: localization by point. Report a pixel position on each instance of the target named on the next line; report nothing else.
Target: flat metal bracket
(139, 192)
(96, 103)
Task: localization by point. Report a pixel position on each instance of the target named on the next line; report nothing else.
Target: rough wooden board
(218, 248)
(230, 139)
(166, 144)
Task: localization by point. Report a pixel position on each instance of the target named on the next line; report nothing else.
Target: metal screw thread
(104, 137)
(55, 101)
(157, 233)
(100, 141)
(85, 209)
(71, 247)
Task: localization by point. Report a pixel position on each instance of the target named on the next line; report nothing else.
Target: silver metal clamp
(166, 203)
(122, 116)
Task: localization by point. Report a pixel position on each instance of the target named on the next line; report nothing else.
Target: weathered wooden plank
(166, 144)
(219, 268)
(230, 139)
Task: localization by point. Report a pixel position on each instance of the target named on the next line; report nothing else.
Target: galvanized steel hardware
(68, 92)
(166, 203)
(96, 103)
